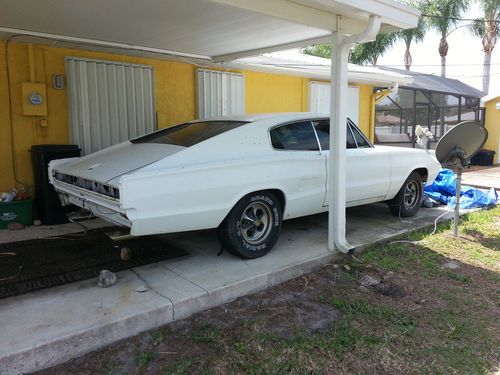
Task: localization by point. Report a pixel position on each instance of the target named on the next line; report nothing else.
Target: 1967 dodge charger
(243, 175)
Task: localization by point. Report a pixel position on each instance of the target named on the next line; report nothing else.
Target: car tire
(253, 226)
(408, 200)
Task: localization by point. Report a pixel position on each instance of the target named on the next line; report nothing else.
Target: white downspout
(338, 118)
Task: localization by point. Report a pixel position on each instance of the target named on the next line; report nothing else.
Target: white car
(243, 175)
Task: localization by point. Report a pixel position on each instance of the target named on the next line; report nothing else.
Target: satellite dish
(467, 138)
(454, 150)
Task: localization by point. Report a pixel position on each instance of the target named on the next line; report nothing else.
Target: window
(220, 93)
(296, 136)
(350, 142)
(323, 131)
(189, 134)
(360, 139)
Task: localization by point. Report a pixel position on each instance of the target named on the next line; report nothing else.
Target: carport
(220, 31)
(214, 31)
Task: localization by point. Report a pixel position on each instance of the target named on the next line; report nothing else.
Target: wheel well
(423, 173)
(281, 197)
(279, 194)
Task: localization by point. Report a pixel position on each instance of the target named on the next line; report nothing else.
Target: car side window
(298, 136)
(323, 130)
(360, 140)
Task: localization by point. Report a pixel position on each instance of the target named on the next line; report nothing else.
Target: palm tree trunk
(486, 71)
(408, 59)
(443, 66)
(443, 51)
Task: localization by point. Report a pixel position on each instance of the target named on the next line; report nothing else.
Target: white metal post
(338, 125)
(338, 118)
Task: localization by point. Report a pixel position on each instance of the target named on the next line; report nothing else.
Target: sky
(464, 61)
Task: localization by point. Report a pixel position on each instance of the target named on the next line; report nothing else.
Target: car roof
(282, 116)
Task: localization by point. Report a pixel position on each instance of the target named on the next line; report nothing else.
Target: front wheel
(409, 198)
(253, 226)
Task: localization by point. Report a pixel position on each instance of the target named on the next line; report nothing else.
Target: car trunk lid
(117, 160)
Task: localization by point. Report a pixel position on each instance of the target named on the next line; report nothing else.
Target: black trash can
(48, 205)
(483, 157)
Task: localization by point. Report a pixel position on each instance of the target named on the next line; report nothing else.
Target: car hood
(117, 160)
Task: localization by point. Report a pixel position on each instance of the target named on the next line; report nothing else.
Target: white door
(109, 102)
(368, 169)
(305, 166)
(319, 99)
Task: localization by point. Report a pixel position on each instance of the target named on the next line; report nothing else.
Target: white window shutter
(220, 93)
(319, 99)
(109, 102)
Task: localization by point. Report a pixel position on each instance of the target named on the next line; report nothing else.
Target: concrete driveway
(51, 326)
(482, 177)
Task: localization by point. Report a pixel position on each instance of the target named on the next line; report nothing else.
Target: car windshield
(189, 134)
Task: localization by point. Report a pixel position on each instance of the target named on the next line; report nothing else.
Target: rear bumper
(102, 206)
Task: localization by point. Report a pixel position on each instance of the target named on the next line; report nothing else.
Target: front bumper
(100, 205)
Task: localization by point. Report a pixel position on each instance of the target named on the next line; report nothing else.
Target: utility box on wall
(34, 99)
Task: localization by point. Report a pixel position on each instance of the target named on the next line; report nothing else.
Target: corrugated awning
(430, 82)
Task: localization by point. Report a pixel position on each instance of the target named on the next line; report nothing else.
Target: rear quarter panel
(200, 196)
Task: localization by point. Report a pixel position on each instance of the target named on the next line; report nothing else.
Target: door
(302, 167)
(368, 169)
(109, 102)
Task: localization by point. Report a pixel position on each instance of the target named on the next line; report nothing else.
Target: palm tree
(320, 50)
(488, 29)
(371, 51)
(360, 54)
(416, 34)
(443, 15)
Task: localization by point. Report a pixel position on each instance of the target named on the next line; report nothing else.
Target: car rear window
(189, 134)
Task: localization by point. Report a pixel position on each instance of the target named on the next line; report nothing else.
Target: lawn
(426, 304)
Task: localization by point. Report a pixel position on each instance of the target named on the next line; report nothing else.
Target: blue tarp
(444, 187)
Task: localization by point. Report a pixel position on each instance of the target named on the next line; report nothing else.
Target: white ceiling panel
(210, 28)
(199, 26)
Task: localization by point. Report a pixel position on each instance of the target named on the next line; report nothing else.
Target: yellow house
(491, 104)
(42, 91)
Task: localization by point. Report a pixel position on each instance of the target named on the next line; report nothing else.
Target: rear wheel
(253, 226)
(409, 198)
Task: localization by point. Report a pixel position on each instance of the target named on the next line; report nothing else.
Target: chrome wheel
(256, 222)
(411, 194)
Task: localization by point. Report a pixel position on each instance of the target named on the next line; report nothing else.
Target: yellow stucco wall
(175, 95)
(492, 123)
(267, 92)
(175, 98)
(365, 91)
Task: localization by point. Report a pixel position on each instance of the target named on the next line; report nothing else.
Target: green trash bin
(16, 212)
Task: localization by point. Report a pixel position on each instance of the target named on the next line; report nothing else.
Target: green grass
(181, 367)
(144, 358)
(205, 334)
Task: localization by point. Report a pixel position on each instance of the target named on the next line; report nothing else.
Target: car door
(302, 167)
(368, 169)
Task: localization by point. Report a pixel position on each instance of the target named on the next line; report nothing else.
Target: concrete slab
(484, 178)
(47, 327)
